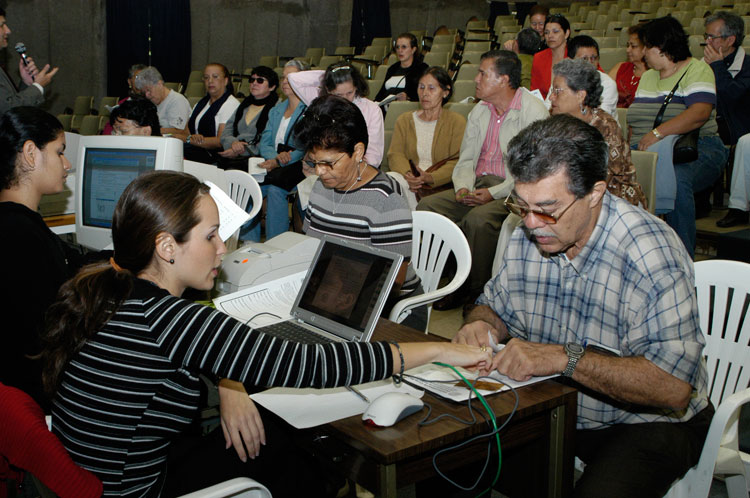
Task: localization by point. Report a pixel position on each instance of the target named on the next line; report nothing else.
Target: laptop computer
(342, 295)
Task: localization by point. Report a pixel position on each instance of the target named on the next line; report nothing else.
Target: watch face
(574, 348)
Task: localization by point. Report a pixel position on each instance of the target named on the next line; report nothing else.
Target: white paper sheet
(453, 392)
(252, 167)
(231, 216)
(304, 408)
(276, 297)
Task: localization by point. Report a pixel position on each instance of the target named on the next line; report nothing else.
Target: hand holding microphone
(29, 72)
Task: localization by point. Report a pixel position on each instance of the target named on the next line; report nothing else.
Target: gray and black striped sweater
(135, 385)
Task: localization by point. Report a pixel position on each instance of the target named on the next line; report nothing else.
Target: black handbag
(686, 147)
(286, 177)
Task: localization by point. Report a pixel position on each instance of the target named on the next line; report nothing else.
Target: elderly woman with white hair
(577, 90)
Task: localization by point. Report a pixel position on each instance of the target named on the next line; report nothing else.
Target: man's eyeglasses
(709, 36)
(326, 164)
(592, 59)
(523, 211)
(259, 79)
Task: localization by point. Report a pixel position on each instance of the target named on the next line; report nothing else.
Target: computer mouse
(391, 407)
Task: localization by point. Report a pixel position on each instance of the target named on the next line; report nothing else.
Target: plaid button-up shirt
(630, 290)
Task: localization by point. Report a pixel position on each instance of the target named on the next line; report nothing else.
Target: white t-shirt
(225, 112)
(425, 131)
(173, 111)
(609, 94)
(281, 133)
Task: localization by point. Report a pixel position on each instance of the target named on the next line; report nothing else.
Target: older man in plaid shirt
(600, 291)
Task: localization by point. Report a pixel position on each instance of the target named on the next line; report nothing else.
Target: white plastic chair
(723, 290)
(434, 237)
(241, 187)
(240, 487)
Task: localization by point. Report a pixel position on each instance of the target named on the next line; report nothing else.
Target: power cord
(494, 432)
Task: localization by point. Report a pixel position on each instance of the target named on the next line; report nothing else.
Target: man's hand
(461, 195)
(520, 360)
(479, 197)
(710, 54)
(196, 139)
(31, 74)
(240, 420)
(476, 334)
(511, 45)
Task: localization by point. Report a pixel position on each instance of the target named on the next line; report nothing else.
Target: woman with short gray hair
(577, 90)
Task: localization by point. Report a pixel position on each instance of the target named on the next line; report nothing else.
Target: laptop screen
(346, 284)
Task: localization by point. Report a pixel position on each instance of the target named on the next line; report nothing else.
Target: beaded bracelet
(397, 378)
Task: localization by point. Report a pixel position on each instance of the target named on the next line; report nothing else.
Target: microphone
(21, 49)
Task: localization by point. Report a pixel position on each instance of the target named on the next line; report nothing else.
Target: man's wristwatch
(575, 352)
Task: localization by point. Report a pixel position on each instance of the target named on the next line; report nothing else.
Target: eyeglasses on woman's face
(258, 79)
(324, 164)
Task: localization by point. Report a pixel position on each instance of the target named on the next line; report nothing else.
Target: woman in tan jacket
(426, 143)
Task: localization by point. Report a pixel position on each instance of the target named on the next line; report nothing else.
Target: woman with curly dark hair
(691, 108)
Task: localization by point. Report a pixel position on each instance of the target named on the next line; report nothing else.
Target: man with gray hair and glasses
(731, 67)
(601, 292)
(172, 107)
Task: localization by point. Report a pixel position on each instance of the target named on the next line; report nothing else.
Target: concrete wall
(71, 34)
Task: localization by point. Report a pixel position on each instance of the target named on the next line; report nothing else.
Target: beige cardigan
(446, 142)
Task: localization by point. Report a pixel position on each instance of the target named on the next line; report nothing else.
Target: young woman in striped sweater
(126, 350)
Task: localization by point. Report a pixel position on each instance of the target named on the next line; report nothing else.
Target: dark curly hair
(667, 34)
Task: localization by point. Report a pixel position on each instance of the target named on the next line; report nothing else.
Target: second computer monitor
(106, 165)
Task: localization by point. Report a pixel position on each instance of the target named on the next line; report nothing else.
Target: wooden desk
(537, 445)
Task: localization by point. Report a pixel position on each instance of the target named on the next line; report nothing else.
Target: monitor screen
(106, 174)
(105, 165)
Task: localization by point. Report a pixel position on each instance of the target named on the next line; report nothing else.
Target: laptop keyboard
(291, 331)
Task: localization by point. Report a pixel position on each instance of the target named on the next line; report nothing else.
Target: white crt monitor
(105, 166)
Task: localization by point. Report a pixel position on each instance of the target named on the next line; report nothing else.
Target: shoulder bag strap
(668, 99)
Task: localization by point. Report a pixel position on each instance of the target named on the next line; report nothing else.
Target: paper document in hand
(231, 216)
(275, 297)
(456, 389)
(252, 167)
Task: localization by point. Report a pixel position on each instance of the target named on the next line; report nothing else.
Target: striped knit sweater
(135, 385)
(375, 214)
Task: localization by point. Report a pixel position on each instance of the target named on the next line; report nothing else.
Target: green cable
(492, 417)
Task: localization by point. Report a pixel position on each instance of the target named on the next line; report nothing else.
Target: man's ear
(597, 193)
(165, 246)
